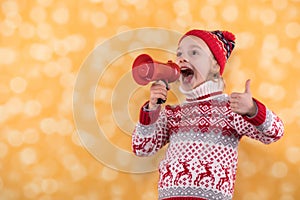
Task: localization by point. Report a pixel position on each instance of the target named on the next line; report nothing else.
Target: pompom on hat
(220, 43)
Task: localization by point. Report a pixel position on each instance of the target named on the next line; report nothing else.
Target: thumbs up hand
(242, 103)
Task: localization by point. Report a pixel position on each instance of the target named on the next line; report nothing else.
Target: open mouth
(187, 74)
(185, 71)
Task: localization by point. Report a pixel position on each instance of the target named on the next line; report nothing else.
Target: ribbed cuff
(260, 116)
(148, 116)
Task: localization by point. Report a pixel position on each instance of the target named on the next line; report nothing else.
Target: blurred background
(44, 45)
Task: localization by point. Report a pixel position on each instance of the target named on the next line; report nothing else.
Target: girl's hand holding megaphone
(158, 90)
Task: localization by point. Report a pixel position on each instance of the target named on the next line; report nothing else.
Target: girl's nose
(181, 59)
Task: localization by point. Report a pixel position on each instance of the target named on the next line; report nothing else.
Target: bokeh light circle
(90, 132)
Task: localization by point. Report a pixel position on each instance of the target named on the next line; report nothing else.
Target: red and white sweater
(203, 135)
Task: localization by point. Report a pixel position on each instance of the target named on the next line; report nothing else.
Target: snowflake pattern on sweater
(203, 136)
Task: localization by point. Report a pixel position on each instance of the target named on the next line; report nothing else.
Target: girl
(203, 132)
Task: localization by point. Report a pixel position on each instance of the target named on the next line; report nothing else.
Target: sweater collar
(203, 91)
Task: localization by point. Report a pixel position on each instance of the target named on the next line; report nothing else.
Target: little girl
(203, 132)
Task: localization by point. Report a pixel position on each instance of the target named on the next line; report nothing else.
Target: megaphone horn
(145, 70)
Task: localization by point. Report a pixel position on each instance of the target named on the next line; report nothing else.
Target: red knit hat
(220, 43)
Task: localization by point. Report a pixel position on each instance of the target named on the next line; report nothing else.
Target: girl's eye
(195, 52)
(178, 54)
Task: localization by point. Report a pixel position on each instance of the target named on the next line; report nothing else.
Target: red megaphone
(145, 70)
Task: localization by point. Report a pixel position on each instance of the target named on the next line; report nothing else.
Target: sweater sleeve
(150, 133)
(265, 126)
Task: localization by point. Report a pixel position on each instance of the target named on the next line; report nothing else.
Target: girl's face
(195, 60)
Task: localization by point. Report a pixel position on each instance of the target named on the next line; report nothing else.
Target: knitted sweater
(203, 135)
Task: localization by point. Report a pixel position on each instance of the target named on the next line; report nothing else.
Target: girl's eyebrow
(191, 46)
(196, 46)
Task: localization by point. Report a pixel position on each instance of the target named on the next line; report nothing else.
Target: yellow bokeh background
(44, 44)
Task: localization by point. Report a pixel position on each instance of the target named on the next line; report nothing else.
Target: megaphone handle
(160, 100)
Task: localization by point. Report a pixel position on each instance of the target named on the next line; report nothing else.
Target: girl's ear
(215, 67)
(214, 73)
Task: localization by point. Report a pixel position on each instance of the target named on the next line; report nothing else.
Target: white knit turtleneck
(206, 88)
